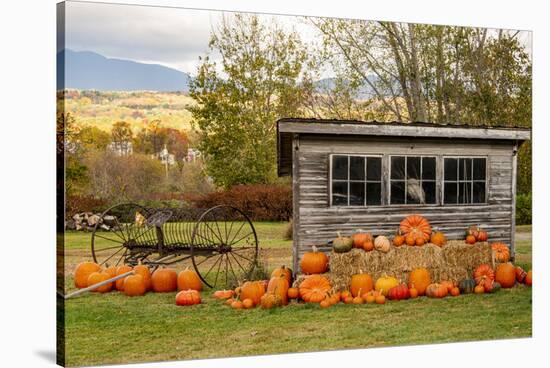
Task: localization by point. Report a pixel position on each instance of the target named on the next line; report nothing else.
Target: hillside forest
(383, 71)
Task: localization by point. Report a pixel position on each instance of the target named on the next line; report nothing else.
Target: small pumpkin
(505, 275)
(82, 271)
(164, 280)
(385, 283)
(348, 300)
(479, 289)
(473, 230)
(420, 278)
(398, 239)
(344, 294)
(417, 225)
(380, 299)
(96, 278)
(482, 236)
(501, 252)
(436, 290)
(382, 244)
(134, 285)
(358, 299)
(484, 271)
(119, 271)
(438, 238)
(189, 279)
(314, 289)
(467, 286)
(279, 286)
(492, 287)
(342, 244)
(529, 278)
(413, 292)
(223, 294)
(248, 304)
(268, 301)
(144, 271)
(470, 239)
(283, 271)
(419, 241)
(455, 291)
(325, 303)
(111, 271)
(410, 240)
(252, 290)
(314, 262)
(236, 304)
(448, 284)
(399, 292)
(361, 281)
(368, 245)
(188, 297)
(370, 297)
(293, 293)
(359, 239)
(520, 274)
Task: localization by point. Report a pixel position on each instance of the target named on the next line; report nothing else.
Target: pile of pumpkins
(162, 280)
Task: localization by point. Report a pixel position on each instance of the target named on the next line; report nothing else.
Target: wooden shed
(349, 175)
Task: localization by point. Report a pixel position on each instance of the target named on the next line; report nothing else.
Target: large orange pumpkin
(436, 291)
(188, 297)
(505, 275)
(164, 280)
(97, 277)
(438, 238)
(501, 252)
(283, 271)
(484, 272)
(314, 289)
(134, 285)
(279, 286)
(111, 271)
(416, 224)
(119, 271)
(419, 279)
(82, 271)
(145, 273)
(252, 290)
(189, 280)
(314, 262)
(361, 281)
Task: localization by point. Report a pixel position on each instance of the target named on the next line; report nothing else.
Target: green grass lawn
(112, 328)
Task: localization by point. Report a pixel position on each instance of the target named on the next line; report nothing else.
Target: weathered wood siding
(316, 222)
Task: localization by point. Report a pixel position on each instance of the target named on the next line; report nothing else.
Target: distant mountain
(89, 70)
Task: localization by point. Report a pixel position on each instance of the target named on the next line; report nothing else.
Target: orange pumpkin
(436, 291)
(283, 271)
(358, 300)
(484, 271)
(146, 274)
(416, 224)
(505, 275)
(448, 284)
(248, 304)
(293, 293)
(134, 285)
(82, 271)
(470, 239)
(314, 262)
(119, 271)
(189, 280)
(111, 271)
(410, 240)
(188, 297)
(270, 300)
(438, 238)
(413, 292)
(482, 236)
(529, 278)
(359, 239)
(314, 289)
(398, 239)
(361, 281)
(252, 290)
(520, 275)
(419, 241)
(344, 294)
(279, 286)
(479, 289)
(236, 304)
(368, 245)
(501, 252)
(223, 294)
(164, 280)
(419, 278)
(380, 299)
(455, 291)
(325, 303)
(96, 278)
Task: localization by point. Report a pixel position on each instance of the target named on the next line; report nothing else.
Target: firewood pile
(86, 221)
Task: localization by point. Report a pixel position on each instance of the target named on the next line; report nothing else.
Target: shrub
(81, 203)
(261, 202)
(523, 209)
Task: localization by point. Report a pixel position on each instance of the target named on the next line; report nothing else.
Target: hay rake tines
(220, 243)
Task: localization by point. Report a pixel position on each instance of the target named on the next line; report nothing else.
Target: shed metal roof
(286, 127)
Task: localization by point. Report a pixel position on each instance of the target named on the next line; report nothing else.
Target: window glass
(374, 168)
(356, 168)
(410, 187)
(451, 168)
(374, 194)
(356, 180)
(465, 169)
(339, 193)
(357, 193)
(397, 192)
(340, 167)
(413, 167)
(429, 191)
(398, 167)
(469, 186)
(428, 168)
(479, 169)
(450, 193)
(479, 192)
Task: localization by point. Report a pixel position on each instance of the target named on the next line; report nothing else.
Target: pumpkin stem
(314, 248)
(339, 234)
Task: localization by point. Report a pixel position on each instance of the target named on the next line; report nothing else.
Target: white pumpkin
(382, 244)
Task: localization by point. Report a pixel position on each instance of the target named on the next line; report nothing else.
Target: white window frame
(435, 181)
(381, 182)
(472, 180)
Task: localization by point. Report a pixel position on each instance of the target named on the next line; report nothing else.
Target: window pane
(450, 168)
(356, 168)
(339, 193)
(374, 168)
(357, 194)
(413, 167)
(465, 192)
(398, 167)
(374, 194)
(397, 192)
(415, 194)
(465, 169)
(479, 168)
(428, 168)
(340, 167)
(450, 195)
(479, 192)
(429, 191)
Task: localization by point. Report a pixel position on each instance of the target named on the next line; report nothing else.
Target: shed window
(464, 180)
(356, 180)
(412, 180)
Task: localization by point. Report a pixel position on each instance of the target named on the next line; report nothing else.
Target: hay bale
(458, 254)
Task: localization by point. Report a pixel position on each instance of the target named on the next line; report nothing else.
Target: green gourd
(342, 244)
(467, 286)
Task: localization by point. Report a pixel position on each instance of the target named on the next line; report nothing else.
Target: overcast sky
(168, 36)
